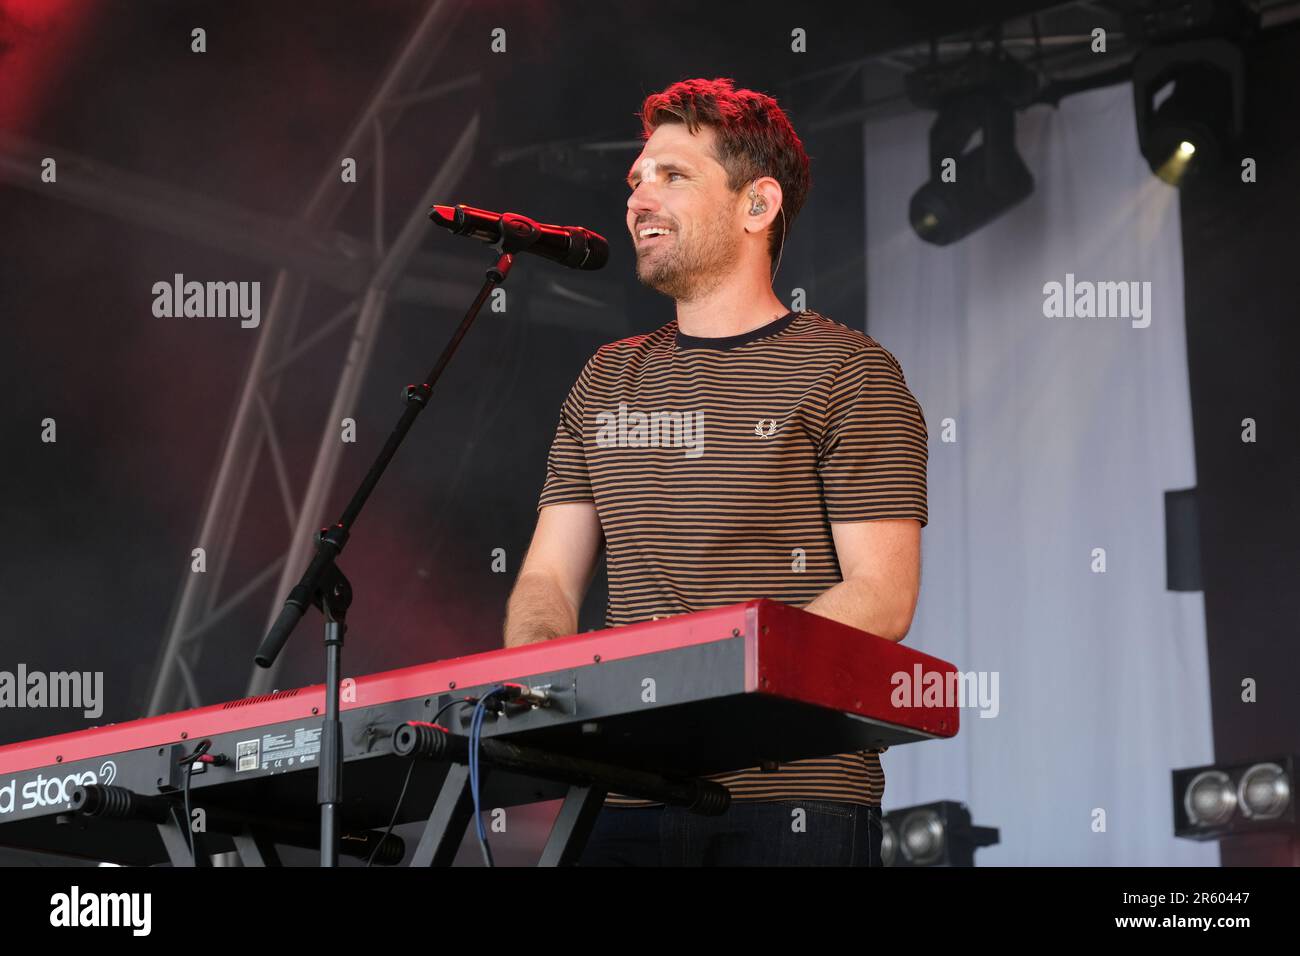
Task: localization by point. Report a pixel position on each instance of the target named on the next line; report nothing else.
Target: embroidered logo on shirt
(765, 428)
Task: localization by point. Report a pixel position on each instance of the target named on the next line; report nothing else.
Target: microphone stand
(324, 584)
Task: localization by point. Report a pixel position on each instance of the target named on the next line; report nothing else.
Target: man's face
(678, 185)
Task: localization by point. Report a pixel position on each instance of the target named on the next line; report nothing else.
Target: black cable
(203, 747)
(189, 831)
(452, 703)
(396, 810)
(409, 771)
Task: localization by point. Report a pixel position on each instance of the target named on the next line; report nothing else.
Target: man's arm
(881, 564)
(555, 575)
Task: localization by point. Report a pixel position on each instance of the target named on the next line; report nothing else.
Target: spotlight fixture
(1217, 801)
(1264, 792)
(1188, 99)
(933, 834)
(975, 172)
(1210, 799)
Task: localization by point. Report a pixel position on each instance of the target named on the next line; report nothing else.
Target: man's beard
(686, 273)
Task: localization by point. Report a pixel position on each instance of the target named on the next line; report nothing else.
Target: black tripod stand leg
(447, 822)
(255, 848)
(573, 826)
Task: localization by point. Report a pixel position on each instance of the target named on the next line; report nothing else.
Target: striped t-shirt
(717, 466)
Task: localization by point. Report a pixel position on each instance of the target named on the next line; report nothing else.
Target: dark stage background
(101, 523)
(98, 527)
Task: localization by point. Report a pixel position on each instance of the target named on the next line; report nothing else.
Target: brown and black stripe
(717, 467)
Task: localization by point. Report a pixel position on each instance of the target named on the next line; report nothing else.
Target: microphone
(571, 246)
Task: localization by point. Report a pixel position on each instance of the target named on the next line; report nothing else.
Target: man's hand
(881, 564)
(555, 575)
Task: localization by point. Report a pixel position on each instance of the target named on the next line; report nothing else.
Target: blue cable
(475, 739)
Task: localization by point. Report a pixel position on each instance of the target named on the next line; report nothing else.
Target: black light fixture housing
(976, 99)
(933, 834)
(991, 177)
(1222, 800)
(1189, 103)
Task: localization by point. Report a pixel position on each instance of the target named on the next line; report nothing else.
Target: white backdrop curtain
(1068, 432)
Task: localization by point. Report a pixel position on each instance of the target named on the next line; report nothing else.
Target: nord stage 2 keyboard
(646, 709)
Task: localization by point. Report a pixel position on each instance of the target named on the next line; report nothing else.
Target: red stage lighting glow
(38, 39)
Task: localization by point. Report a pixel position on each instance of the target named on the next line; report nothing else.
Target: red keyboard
(701, 693)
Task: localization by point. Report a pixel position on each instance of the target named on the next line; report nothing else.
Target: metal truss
(376, 268)
(371, 273)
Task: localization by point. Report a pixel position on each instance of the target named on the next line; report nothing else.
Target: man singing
(740, 451)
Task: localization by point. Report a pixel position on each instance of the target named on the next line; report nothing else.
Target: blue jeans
(750, 833)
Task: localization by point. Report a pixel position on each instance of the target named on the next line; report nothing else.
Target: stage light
(888, 843)
(1254, 796)
(975, 172)
(932, 834)
(989, 182)
(1210, 799)
(1188, 102)
(922, 838)
(1264, 792)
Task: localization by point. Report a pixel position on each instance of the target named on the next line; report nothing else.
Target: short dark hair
(754, 138)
